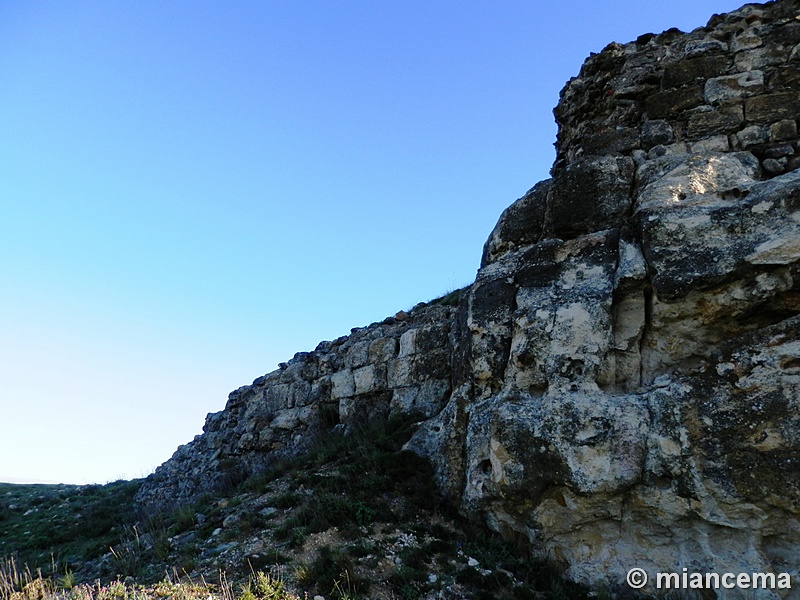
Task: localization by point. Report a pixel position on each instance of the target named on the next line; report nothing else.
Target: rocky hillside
(619, 387)
(353, 518)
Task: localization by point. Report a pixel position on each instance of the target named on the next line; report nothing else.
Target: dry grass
(354, 518)
(21, 584)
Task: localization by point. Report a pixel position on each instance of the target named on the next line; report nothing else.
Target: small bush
(332, 573)
(449, 298)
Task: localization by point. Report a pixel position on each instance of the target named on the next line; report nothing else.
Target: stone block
(276, 396)
(403, 399)
(752, 136)
(793, 162)
(299, 393)
(286, 419)
(265, 438)
(368, 379)
(779, 151)
(611, 140)
(670, 102)
(435, 363)
(783, 130)
(246, 442)
(760, 58)
(539, 266)
(787, 77)
(432, 338)
(774, 166)
(382, 349)
(520, 224)
(716, 143)
(408, 343)
(639, 156)
(724, 120)
(675, 149)
(704, 46)
(655, 132)
(692, 69)
(492, 300)
(664, 180)
(347, 409)
(747, 40)
(399, 372)
(589, 194)
(788, 34)
(731, 87)
(358, 354)
(772, 107)
(428, 398)
(343, 385)
(290, 371)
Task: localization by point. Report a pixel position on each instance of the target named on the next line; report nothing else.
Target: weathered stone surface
(783, 130)
(620, 386)
(520, 224)
(708, 45)
(752, 136)
(670, 102)
(611, 140)
(426, 399)
(785, 78)
(553, 459)
(674, 181)
(343, 384)
(746, 40)
(711, 144)
(760, 58)
(778, 150)
(656, 132)
(731, 87)
(692, 69)
(708, 122)
(589, 195)
(774, 166)
(773, 107)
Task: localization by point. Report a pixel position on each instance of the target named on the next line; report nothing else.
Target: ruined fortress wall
(620, 386)
(727, 87)
(399, 365)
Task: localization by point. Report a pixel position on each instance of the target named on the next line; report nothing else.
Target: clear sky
(191, 192)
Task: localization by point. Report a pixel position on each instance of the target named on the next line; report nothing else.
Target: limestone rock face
(620, 386)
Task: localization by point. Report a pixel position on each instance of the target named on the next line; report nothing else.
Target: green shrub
(332, 573)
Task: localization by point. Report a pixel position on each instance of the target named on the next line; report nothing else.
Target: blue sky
(191, 192)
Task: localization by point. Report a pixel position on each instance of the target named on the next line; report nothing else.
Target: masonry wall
(402, 364)
(730, 86)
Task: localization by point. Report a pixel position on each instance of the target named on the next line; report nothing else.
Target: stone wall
(620, 386)
(730, 86)
(401, 364)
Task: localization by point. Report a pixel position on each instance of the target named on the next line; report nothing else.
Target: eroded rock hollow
(620, 386)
